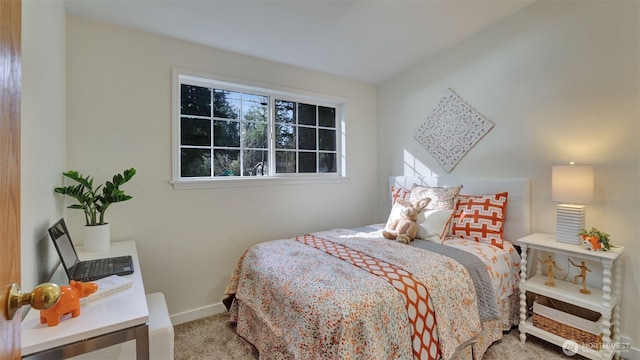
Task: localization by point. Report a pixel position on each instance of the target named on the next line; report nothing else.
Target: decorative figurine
(550, 265)
(583, 274)
(69, 302)
(595, 239)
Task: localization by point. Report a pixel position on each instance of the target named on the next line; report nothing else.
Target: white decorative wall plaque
(451, 130)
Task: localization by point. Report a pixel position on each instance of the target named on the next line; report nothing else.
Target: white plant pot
(97, 238)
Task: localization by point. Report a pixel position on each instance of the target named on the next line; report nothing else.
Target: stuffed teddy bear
(405, 228)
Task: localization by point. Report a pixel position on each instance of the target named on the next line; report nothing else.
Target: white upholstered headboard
(518, 218)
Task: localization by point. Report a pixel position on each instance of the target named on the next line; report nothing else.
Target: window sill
(256, 181)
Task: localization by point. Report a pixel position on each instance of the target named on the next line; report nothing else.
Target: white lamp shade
(572, 184)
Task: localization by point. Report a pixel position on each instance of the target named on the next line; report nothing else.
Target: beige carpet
(214, 338)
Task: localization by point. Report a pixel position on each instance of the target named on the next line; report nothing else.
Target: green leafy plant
(91, 200)
(602, 236)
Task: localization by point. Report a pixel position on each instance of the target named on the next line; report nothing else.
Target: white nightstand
(605, 301)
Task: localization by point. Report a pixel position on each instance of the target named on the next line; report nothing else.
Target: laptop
(85, 270)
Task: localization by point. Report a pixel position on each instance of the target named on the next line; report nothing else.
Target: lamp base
(569, 221)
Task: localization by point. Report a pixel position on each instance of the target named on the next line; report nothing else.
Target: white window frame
(181, 76)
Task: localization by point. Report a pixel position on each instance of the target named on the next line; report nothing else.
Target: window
(228, 131)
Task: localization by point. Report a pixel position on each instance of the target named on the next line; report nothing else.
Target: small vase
(97, 238)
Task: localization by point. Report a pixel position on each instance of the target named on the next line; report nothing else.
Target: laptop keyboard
(98, 268)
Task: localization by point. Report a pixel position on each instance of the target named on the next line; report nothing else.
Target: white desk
(103, 322)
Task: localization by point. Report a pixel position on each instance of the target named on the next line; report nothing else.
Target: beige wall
(119, 115)
(42, 134)
(560, 81)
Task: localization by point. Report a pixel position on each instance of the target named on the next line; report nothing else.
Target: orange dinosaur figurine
(69, 302)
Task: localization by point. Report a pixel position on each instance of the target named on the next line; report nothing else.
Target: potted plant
(95, 202)
(594, 239)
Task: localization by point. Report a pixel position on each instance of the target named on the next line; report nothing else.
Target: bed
(352, 294)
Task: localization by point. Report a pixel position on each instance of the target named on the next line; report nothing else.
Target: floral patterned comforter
(311, 305)
(503, 265)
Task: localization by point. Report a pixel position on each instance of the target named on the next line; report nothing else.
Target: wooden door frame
(10, 91)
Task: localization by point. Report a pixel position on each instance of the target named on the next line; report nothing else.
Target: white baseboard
(198, 313)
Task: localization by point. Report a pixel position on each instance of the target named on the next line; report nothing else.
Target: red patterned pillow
(399, 192)
(480, 218)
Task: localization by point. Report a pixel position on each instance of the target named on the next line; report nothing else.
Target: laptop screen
(62, 241)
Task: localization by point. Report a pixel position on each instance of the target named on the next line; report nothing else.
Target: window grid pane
(327, 116)
(226, 162)
(196, 100)
(307, 162)
(286, 162)
(194, 131)
(195, 162)
(307, 114)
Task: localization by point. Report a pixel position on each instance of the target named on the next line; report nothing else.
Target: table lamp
(572, 186)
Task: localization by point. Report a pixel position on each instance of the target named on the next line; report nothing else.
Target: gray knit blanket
(487, 305)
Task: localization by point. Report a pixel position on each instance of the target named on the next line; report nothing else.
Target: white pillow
(433, 225)
(396, 213)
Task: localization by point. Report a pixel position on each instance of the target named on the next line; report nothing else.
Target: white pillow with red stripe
(399, 192)
(433, 225)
